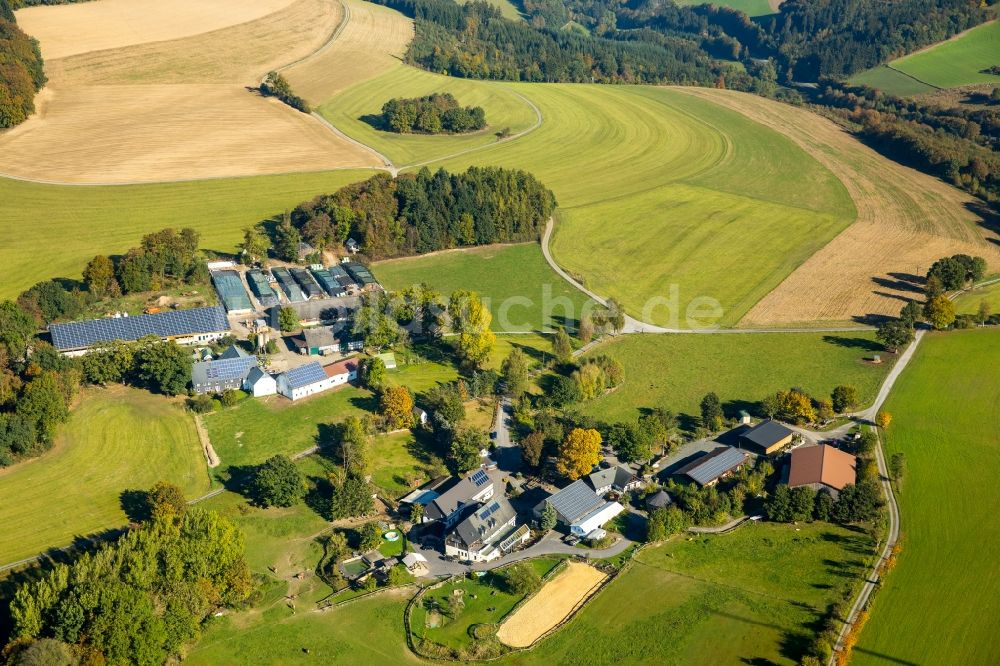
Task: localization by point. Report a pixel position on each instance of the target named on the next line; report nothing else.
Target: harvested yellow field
(238, 54)
(906, 220)
(118, 134)
(551, 605)
(181, 109)
(66, 30)
(372, 41)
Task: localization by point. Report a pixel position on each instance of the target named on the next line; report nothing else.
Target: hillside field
(968, 302)
(117, 439)
(748, 7)
(676, 371)
(958, 61)
(506, 275)
(946, 409)
(154, 95)
(891, 81)
(52, 231)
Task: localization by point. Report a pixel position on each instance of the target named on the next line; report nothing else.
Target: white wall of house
(262, 387)
(302, 391)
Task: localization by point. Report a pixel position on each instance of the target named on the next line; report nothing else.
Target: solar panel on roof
(305, 375)
(174, 323)
(716, 466)
(479, 478)
(230, 368)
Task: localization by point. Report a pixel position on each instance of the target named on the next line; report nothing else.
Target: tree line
(431, 114)
(425, 212)
(275, 85)
(138, 600)
(21, 68)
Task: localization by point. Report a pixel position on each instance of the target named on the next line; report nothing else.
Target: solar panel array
(716, 465)
(490, 510)
(288, 285)
(304, 375)
(261, 288)
(575, 500)
(479, 478)
(175, 323)
(230, 368)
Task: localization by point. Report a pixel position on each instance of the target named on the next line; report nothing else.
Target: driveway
(508, 453)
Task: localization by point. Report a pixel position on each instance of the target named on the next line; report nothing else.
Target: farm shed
(194, 326)
(288, 285)
(343, 372)
(259, 383)
(821, 467)
(328, 282)
(231, 292)
(361, 275)
(304, 381)
(261, 288)
(658, 500)
(715, 465)
(308, 284)
(767, 437)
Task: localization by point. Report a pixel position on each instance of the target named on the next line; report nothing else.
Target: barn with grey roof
(715, 465)
(194, 326)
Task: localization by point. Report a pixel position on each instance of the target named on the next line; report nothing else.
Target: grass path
(118, 439)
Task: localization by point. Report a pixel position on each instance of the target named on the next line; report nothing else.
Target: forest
(21, 69)
(432, 114)
(425, 212)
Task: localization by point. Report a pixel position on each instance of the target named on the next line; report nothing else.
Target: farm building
(352, 246)
(259, 383)
(715, 465)
(416, 564)
(328, 282)
(450, 505)
(821, 467)
(225, 372)
(261, 288)
(288, 285)
(231, 292)
(473, 539)
(323, 340)
(342, 277)
(766, 437)
(304, 381)
(581, 509)
(619, 479)
(186, 327)
(342, 372)
(322, 311)
(306, 282)
(362, 276)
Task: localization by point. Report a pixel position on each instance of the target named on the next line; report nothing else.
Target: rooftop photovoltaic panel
(575, 500)
(304, 375)
(229, 368)
(171, 324)
(480, 478)
(715, 464)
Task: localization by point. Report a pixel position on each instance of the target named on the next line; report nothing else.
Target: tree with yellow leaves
(471, 319)
(883, 419)
(397, 407)
(578, 453)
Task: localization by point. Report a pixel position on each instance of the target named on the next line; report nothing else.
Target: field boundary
(910, 76)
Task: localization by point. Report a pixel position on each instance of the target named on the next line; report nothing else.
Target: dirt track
(906, 220)
(550, 606)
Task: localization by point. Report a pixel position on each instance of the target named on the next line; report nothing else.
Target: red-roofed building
(822, 467)
(342, 372)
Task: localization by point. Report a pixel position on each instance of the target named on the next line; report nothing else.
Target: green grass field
(505, 275)
(968, 303)
(117, 439)
(396, 456)
(890, 81)
(52, 230)
(676, 371)
(956, 62)
(506, 7)
(747, 597)
(946, 409)
(748, 7)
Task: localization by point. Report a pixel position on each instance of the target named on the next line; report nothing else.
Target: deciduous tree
(515, 373)
(277, 482)
(578, 453)
(396, 407)
(471, 320)
(844, 398)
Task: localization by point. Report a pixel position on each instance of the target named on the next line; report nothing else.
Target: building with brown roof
(821, 467)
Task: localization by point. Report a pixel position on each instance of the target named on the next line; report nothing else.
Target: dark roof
(170, 324)
(231, 291)
(659, 500)
(360, 274)
(458, 494)
(233, 352)
(821, 464)
(328, 282)
(618, 476)
(222, 370)
(484, 523)
(308, 284)
(288, 285)
(304, 375)
(766, 434)
(255, 375)
(712, 465)
(575, 501)
(261, 288)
